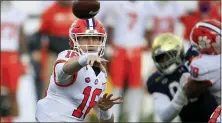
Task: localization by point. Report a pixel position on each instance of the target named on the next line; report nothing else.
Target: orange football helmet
(206, 36)
(89, 27)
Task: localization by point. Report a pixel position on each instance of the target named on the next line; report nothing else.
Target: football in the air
(85, 9)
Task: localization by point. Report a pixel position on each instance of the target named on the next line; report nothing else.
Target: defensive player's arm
(198, 81)
(165, 108)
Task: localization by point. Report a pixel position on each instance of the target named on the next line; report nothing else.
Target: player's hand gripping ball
(85, 9)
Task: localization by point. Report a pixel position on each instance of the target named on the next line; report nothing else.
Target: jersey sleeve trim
(65, 85)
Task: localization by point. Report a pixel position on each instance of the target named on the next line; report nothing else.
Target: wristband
(83, 60)
(105, 115)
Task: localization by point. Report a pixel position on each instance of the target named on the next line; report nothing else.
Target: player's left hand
(106, 102)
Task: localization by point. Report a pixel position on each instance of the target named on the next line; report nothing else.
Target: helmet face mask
(167, 53)
(92, 49)
(167, 62)
(88, 40)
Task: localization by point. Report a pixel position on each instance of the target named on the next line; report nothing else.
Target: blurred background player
(164, 18)
(126, 26)
(14, 58)
(205, 69)
(204, 10)
(51, 38)
(169, 57)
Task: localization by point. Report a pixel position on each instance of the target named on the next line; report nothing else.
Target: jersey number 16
(79, 111)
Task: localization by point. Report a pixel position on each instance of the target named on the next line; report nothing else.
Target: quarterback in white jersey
(126, 24)
(205, 69)
(79, 78)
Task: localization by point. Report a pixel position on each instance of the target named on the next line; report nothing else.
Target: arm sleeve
(164, 108)
(60, 77)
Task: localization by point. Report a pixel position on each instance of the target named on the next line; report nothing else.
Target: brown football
(85, 9)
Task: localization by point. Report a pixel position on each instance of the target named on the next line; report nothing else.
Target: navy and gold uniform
(164, 85)
(197, 110)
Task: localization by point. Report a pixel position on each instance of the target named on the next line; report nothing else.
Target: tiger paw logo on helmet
(217, 44)
(204, 42)
(206, 36)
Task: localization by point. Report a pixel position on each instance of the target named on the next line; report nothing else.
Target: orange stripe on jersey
(66, 85)
(215, 115)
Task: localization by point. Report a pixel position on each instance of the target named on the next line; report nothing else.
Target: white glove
(184, 79)
(180, 99)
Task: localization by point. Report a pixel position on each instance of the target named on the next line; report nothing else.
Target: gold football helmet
(167, 52)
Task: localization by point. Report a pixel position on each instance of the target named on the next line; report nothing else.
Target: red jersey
(56, 20)
(189, 20)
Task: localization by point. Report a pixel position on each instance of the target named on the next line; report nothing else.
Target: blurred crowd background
(34, 32)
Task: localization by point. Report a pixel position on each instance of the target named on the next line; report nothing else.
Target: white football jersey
(11, 21)
(71, 101)
(129, 20)
(207, 68)
(164, 17)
